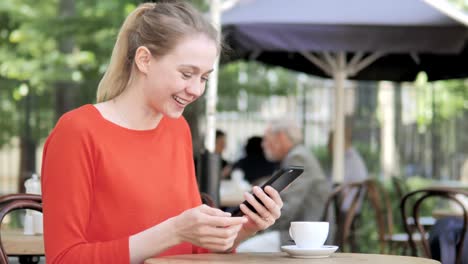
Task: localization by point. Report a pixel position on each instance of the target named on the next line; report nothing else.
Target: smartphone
(279, 181)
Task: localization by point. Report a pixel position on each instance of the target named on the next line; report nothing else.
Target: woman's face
(178, 78)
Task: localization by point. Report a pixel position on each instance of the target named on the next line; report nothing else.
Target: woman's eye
(205, 79)
(186, 75)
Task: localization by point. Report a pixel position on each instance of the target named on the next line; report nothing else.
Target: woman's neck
(130, 110)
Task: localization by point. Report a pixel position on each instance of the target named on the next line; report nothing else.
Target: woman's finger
(271, 206)
(219, 232)
(274, 195)
(217, 240)
(262, 223)
(261, 210)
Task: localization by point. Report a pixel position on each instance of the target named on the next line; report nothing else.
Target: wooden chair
(207, 199)
(343, 221)
(11, 203)
(379, 202)
(401, 188)
(420, 196)
(401, 240)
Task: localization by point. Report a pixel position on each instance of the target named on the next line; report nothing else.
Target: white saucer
(297, 252)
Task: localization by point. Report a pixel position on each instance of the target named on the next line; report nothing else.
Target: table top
(257, 258)
(16, 243)
(441, 213)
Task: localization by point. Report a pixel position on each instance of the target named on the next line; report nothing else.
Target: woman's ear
(142, 59)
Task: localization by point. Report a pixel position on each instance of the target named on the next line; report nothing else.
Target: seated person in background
(219, 149)
(355, 170)
(255, 165)
(304, 199)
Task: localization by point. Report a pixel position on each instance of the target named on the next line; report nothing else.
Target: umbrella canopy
(360, 39)
(410, 35)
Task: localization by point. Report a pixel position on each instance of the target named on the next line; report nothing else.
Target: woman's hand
(208, 227)
(266, 214)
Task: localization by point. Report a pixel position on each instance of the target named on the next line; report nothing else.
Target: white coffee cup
(309, 234)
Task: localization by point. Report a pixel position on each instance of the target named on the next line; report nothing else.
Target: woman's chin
(174, 114)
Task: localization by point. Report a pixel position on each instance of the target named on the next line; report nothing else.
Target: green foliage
(448, 99)
(367, 233)
(252, 79)
(461, 4)
(323, 156)
(202, 5)
(255, 78)
(32, 60)
(370, 157)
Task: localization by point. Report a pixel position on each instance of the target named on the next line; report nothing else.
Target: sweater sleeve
(67, 188)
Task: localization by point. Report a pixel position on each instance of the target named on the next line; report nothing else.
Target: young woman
(118, 176)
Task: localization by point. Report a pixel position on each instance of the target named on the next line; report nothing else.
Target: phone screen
(279, 181)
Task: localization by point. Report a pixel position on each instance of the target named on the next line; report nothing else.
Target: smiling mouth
(180, 100)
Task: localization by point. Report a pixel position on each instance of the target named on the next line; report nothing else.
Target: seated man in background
(254, 164)
(304, 199)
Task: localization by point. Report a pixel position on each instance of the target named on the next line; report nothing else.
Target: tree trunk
(27, 164)
(65, 93)
(435, 138)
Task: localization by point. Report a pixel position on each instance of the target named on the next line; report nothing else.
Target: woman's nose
(196, 89)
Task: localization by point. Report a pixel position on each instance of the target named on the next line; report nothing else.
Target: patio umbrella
(361, 39)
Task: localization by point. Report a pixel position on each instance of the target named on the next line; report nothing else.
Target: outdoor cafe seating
(411, 204)
(29, 247)
(12, 242)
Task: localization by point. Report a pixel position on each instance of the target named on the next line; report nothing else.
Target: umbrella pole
(335, 65)
(339, 75)
(212, 91)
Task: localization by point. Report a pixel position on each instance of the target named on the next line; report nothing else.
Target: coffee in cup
(309, 234)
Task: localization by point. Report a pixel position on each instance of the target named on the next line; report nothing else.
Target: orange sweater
(103, 182)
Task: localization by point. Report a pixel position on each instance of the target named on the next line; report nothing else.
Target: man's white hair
(290, 127)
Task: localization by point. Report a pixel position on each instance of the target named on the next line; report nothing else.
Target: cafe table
(16, 243)
(271, 258)
(441, 213)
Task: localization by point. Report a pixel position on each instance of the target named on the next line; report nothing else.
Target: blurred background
(54, 52)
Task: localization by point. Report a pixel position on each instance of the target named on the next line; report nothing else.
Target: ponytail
(118, 72)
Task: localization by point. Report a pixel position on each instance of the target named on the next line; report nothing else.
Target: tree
(47, 44)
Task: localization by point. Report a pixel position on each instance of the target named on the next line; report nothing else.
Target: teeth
(180, 100)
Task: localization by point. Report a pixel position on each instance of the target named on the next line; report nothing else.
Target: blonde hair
(157, 26)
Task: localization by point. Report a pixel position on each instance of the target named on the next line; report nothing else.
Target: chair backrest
(380, 202)
(14, 202)
(419, 196)
(400, 187)
(334, 202)
(206, 199)
(370, 190)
